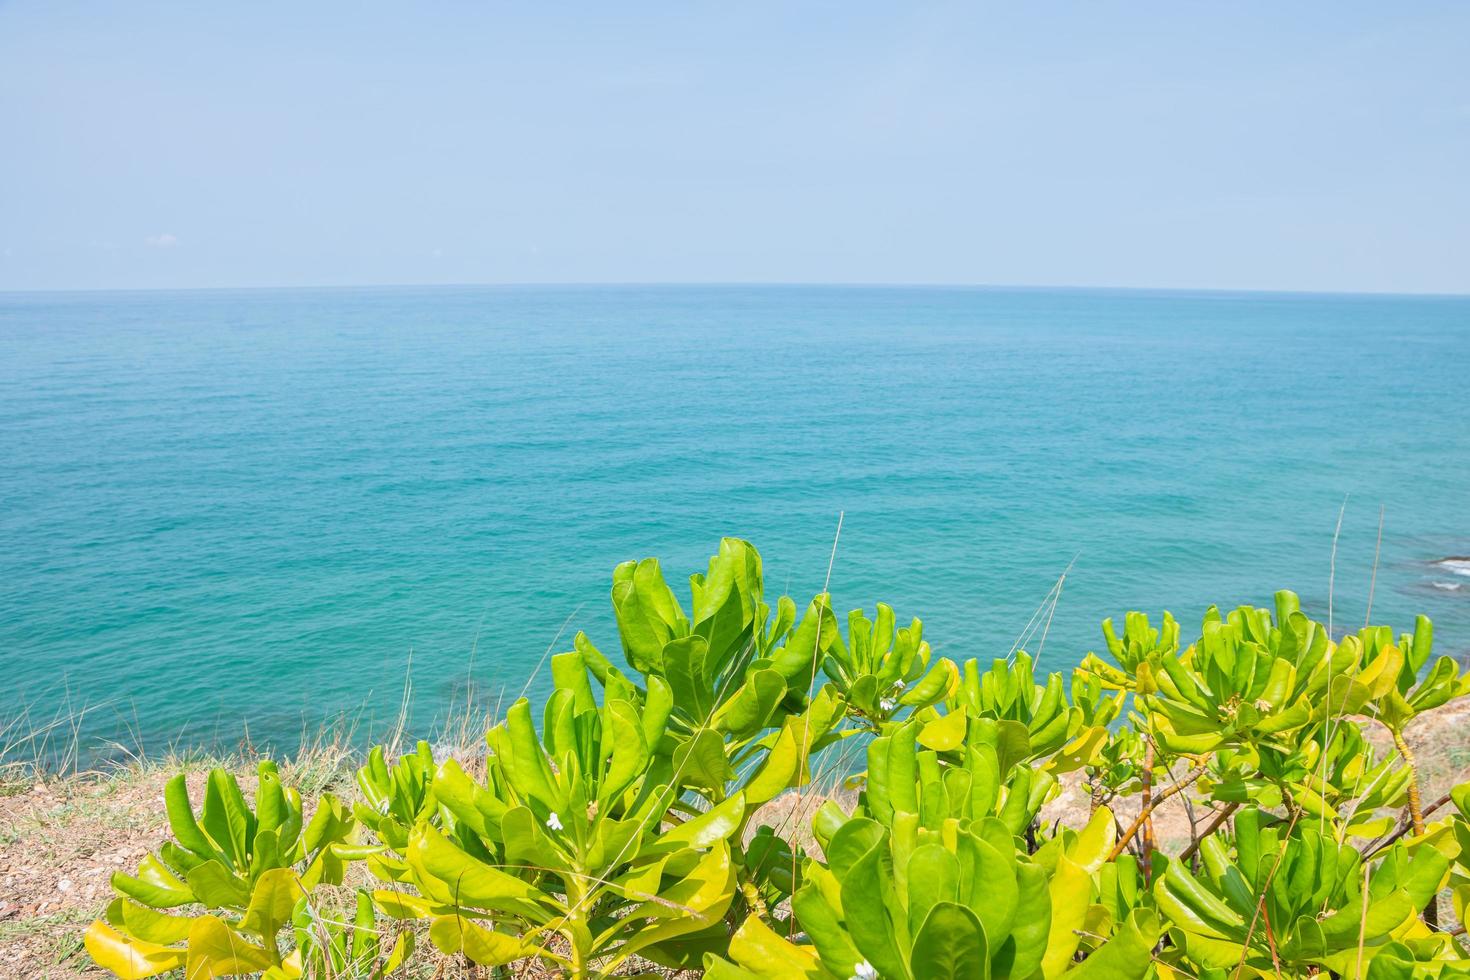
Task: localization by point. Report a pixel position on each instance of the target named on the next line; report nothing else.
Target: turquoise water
(255, 510)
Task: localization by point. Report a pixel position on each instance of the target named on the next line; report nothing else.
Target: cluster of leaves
(623, 830)
(243, 875)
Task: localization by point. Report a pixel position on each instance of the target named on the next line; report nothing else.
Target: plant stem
(1416, 807)
(1147, 812)
(1220, 817)
(575, 897)
(1403, 828)
(1271, 941)
(753, 898)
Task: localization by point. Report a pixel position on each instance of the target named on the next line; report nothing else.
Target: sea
(238, 518)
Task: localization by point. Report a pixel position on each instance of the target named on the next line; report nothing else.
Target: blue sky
(1315, 146)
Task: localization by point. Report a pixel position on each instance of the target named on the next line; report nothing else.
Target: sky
(1298, 146)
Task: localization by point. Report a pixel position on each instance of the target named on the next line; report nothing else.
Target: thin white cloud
(165, 240)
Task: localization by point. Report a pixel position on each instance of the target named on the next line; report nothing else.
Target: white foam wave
(1455, 566)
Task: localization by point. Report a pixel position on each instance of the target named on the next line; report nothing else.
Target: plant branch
(1145, 812)
(1150, 806)
(1404, 827)
(1219, 818)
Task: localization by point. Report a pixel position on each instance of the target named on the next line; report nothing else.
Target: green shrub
(624, 829)
(250, 871)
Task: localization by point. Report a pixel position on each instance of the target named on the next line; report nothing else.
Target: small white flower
(554, 822)
(864, 971)
(899, 685)
(888, 704)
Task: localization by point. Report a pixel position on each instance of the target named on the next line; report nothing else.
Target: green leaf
(216, 950)
(994, 892)
(1020, 956)
(785, 766)
(1391, 962)
(933, 686)
(181, 818)
(701, 762)
(1070, 891)
(796, 661)
(404, 906)
(470, 802)
(1016, 812)
(725, 600)
(750, 709)
(1127, 956)
(902, 765)
(822, 925)
(854, 839)
(457, 934)
(226, 817)
(216, 887)
(866, 915)
(719, 969)
(933, 877)
(1192, 906)
(630, 753)
(657, 707)
(1093, 845)
(693, 903)
(271, 806)
(685, 669)
(527, 766)
(951, 945)
(1342, 929)
(141, 922)
(828, 819)
(944, 734)
(648, 614)
(717, 823)
(275, 895)
(1012, 744)
(526, 845)
(154, 885)
(446, 874)
(757, 947)
(1079, 751)
(569, 673)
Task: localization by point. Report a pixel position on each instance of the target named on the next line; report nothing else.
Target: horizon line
(737, 283)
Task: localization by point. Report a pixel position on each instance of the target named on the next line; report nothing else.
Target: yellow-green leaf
(216, 950)
(129, 958)
(448, 875)
(945, 733)
(1071, 894)
(457, 934)
(275, 895)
